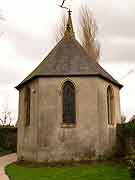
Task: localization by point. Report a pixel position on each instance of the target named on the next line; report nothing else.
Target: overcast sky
(26, 37)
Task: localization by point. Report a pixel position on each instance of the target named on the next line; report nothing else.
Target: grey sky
(28, 36)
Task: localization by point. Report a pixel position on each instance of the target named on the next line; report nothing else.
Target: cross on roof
(69, 12)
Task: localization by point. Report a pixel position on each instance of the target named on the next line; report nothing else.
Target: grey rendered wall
(27, 136)
(48, 140)
(58, 143)
(107, 133)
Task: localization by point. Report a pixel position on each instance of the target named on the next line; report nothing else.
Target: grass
(80, 172)
(4, 151)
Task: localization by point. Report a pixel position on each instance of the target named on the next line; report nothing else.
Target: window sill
(64, 125)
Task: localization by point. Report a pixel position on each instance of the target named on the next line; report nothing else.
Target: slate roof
(68, 58)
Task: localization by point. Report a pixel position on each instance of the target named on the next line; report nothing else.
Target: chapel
(69, 107)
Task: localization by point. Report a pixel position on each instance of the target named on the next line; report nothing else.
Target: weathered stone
(46, 140)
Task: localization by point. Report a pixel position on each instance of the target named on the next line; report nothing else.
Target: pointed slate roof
(68, 58)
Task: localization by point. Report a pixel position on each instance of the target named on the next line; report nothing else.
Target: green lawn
(80, 172)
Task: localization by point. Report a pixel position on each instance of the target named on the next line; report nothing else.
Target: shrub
(129, 129)
(8, 138)
(131, 165)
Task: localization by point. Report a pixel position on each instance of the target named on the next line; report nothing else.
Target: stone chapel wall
(48, 140)
(57, 142)
(27, 135)
(107, 133)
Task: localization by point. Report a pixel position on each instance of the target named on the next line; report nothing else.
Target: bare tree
(61, 28)
(123, 119)
(132, 119)
(1, 15)
(6, 116)
(87, 30)
(6, 119)
(87, 33)
(1, 19)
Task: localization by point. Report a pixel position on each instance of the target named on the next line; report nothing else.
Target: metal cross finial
(69, 24)
(69, 12)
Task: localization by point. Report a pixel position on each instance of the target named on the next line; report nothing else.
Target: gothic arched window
(110, 105)
(69, 114)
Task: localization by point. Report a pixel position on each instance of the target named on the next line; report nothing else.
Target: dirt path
(5, 160)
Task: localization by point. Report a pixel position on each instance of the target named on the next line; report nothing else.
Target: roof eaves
(69, 75)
